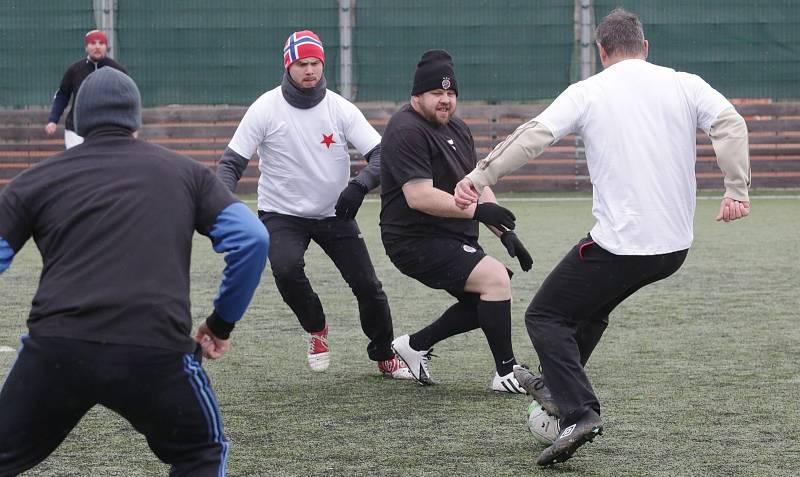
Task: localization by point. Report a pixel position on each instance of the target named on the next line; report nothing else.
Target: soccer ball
(542, 425)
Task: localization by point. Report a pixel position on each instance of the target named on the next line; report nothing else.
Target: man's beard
(431, 117)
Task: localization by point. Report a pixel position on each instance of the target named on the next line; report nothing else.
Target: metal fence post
(105, 17)
(587, 51)
(346, 22)
(585, 24)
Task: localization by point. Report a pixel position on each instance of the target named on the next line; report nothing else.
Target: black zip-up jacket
(76, 73)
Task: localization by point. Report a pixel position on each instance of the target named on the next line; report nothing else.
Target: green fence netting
(742, 48)
(211, 52)
(39, 39)
(503, 50)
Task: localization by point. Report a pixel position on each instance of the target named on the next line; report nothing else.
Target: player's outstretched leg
(44, 396)
(180, 418)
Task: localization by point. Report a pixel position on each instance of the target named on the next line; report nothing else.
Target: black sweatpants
(342, 242)
(570, 312)
(164, 394)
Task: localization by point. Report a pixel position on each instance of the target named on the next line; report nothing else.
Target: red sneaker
(318, 352)
(394, 368)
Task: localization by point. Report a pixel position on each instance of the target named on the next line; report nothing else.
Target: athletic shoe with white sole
(394, 368)
(417, 361)
(507, 384)
(571, 438)
(319, 356)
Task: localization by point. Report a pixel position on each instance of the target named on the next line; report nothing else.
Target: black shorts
(443, 263)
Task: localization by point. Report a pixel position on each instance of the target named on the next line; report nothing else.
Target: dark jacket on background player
(71, 82)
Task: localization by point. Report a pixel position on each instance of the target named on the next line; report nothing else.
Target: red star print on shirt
(327, 139)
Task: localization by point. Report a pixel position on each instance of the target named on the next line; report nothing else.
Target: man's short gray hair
(621, 33)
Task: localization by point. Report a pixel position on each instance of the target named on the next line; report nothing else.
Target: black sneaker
(535, 386)
(571, 438)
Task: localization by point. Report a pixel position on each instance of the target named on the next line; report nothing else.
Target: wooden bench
(203, 132)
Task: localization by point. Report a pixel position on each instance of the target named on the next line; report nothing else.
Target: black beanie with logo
(434, 71)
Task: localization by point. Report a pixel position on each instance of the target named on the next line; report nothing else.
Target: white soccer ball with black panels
(542, 425)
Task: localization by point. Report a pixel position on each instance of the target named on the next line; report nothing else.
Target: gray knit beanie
(107, 97)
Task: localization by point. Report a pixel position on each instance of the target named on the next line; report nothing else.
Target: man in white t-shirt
(300, 130)
(638, 122)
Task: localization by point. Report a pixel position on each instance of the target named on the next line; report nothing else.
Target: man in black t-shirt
(110, 323)
(426, 151)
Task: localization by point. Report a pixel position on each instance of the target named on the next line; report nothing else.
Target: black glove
(350, 200)
(492, 214)
(516, 249)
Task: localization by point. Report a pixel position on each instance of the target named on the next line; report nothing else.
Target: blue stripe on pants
(208, 403)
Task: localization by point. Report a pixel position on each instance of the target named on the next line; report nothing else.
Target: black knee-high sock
(457, 319)
(494, 318)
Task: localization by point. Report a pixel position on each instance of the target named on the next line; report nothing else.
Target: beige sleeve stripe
(500, 148)
(524, 144)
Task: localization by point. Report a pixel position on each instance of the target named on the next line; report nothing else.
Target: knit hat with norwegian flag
(302, 44)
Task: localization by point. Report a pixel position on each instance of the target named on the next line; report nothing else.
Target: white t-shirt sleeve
(359, 131)
(252, 130)
(707, 101)
(564, 115)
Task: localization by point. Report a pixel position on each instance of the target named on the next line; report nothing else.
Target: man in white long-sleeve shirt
(638, 122)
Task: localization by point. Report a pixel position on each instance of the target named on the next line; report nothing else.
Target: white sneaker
(417, 361)
(507, 384)
(394, 368)
(319, 356)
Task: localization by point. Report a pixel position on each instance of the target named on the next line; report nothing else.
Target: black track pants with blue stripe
(164, 394)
